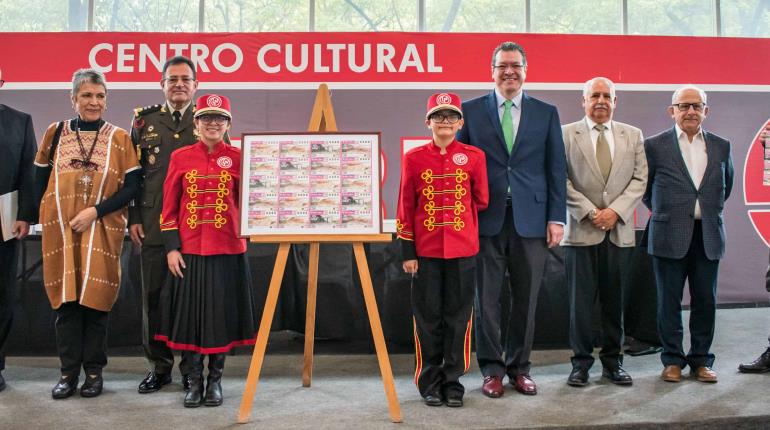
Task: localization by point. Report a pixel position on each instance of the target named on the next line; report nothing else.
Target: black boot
(214, 380)
(194, 397)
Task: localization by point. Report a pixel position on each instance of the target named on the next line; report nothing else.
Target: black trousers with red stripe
(442, 305)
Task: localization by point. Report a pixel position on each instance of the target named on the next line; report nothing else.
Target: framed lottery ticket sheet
(310, 183)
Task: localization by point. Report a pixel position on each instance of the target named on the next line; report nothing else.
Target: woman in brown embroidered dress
(89, 172)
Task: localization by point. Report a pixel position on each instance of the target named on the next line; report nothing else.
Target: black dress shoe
(454, 400)
(66, 387)
(578, 377)
(433, 399)
(92, 386)
(617, 376)
(760, 365)
(2, 382)
(153, 382)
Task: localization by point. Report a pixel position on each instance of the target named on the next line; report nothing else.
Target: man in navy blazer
(690, 177)
(521, 137)
(18, 146)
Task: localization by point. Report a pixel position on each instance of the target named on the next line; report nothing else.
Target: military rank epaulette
(138, 122)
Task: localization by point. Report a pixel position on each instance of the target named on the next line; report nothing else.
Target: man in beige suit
(606, 178)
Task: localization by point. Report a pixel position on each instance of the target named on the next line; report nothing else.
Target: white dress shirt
(515, 109)
(171, 109)
(607, 135)
(695, 158)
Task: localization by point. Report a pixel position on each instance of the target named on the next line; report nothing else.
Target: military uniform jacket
(155, 137)
(200, 201)
(439, 200)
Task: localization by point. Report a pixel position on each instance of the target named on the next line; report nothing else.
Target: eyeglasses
(684, 107)
(182, 79)
(213, 119)
(516, 67)
(451, 118)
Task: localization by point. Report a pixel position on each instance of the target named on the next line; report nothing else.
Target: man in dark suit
(18, 146)
(156, 132)
(690, 177)
(521, 137)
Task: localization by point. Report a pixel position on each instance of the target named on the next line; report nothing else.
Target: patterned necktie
(507, 123)
(603, 156)
(177, 117)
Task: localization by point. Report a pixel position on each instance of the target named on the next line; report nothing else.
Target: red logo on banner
(755, 192)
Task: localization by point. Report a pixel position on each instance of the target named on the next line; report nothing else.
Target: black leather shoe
(433, 399)
(454, 400)
(186, 383)
(578, 377)
(213, 392)
(760, 365)
(617, 376)
(2, 382)
(194, 397)
(92, 386)
(66, 387)
(153, 382)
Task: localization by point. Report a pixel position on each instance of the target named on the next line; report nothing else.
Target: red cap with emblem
(213, 104)
(443, 101)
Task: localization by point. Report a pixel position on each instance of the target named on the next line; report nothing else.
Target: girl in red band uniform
(207, 304)
(443, 186)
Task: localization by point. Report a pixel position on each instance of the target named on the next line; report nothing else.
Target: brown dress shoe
(705, 374)
(525, 385)
(493, 386)
(672, 373)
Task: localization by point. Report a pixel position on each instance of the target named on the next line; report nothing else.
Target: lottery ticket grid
(307, 184)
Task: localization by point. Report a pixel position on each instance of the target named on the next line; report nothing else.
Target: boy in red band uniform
(443, 186)
(207, 305)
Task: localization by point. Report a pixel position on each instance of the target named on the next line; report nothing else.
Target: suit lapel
(620, 138)
(583, 137)
(523, 121)
(187, 118)
(711, 154)
(165, 118)
(678, 157)
(494, 119)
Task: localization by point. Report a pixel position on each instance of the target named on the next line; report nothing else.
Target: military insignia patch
(151, 158)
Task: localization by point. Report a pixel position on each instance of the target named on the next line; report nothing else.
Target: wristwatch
(592, 214)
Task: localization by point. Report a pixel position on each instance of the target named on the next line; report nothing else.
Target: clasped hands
(605, 219)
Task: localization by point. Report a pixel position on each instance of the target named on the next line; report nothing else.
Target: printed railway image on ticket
(311, 183)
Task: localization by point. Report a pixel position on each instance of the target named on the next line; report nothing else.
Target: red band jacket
(200, 201)
(439, 200)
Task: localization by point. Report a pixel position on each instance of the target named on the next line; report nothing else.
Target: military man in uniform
(156, 132)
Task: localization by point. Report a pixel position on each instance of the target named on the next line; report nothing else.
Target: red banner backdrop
(40, 60)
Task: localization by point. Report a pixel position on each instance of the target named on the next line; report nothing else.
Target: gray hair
(87, 76)
(688, 87)
(590, 83)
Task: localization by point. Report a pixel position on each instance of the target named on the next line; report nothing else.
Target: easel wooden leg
(264, 332)
(379, 339)
(312, 289)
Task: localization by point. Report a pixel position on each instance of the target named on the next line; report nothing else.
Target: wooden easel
(322, 119)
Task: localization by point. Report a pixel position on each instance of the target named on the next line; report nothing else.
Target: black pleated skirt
(210, 310)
